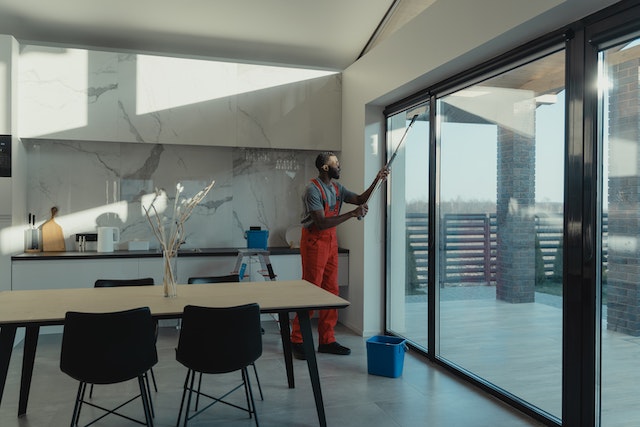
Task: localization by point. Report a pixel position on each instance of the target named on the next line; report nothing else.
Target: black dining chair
(109, 348)
(236, 346)
(111, 283)
(214, 279)
(225, 279)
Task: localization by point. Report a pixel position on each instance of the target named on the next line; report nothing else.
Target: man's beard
(334, 173)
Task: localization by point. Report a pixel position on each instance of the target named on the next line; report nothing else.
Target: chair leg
(198, 395)
(153, 379)
(91, 392)
(148, 390)
(145, 396)
(184, 393)
(187, 385)
(255, 372)
(251, 403)
(246, 392)
(77, 405)
(186, 412)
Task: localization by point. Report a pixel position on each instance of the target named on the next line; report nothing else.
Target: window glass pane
(500, 230)
(620, 249)
(407, 242)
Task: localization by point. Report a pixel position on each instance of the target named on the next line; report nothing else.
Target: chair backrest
(218, 340)
(107, 348)
(214, 279)
(110, 283)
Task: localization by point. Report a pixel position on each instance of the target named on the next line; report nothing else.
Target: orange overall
(319, 251)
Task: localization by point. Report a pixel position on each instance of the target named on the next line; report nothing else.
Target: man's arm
(323, 222)
(362, 199)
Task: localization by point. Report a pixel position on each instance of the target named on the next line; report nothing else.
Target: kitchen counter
(55, 270)
(153, 253)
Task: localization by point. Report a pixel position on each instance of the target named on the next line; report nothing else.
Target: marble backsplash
(102, 184)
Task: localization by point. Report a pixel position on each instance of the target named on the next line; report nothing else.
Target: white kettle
(107, 236)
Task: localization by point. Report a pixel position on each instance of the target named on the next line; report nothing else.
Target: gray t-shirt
(312, 199)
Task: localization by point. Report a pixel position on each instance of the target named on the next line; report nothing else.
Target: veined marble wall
(83, 95)
(102, 183)
(103, 129)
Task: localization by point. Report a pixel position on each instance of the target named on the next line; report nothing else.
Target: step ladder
(266, 269)
(265, 263)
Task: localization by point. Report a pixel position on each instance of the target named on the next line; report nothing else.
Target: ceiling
(327, 34)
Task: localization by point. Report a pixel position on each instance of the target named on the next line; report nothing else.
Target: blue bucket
(257, 239)
(385, 355)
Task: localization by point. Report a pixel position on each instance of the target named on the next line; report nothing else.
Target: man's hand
(360, 211)
(383, 174)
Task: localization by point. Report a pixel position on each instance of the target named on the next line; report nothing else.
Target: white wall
(447, 38)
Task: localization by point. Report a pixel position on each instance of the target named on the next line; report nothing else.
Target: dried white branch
(182, 209)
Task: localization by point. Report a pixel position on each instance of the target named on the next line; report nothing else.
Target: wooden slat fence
(468, 245)
(418, 235)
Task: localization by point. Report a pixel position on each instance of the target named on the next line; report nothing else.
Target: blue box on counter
(257, 239)
(385, 355)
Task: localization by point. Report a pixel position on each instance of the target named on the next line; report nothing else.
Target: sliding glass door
(407, 232)
(513, 237)
(500, 220)
(619, 119)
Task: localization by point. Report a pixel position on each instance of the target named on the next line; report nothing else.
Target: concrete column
(515, 269)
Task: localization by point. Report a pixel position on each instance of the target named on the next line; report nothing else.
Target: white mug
(107, 236)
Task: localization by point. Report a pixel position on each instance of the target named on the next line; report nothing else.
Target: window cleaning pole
(391, 159)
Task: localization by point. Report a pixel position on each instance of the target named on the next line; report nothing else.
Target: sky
(468, 158)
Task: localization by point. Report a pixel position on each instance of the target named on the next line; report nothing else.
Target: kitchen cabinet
(150, 267)
(286, 267)
(73, 273)
(5, 196)
(78, 272)
(152, 99)
(204, 266)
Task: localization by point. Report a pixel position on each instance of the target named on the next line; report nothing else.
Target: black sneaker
(334, 348)
(298, 351)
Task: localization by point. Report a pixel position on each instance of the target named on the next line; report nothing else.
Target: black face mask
(334, 172)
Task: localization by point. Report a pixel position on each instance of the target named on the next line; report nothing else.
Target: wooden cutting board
(52, 237)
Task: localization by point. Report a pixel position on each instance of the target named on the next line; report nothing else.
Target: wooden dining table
(32, 309)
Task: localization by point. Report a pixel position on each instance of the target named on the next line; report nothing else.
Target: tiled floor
(424, 395)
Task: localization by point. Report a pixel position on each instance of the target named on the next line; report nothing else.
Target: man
(322, 201)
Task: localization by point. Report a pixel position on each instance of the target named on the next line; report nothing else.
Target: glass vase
(169, 274)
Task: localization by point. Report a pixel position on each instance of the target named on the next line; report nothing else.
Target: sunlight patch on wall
(164, 83)
(12, 238)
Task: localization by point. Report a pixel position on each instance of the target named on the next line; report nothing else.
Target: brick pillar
(515, 259)
(623, 276)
